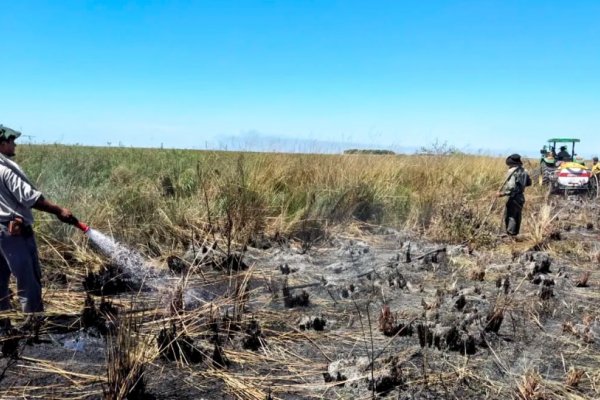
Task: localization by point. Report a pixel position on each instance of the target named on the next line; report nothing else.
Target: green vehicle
(549, 159)
(563, 171)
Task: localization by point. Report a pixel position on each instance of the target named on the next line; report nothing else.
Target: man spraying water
(18, 250)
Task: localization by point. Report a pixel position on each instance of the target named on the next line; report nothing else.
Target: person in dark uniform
(517, 179)
(563, 154)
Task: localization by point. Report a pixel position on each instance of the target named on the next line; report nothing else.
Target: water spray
(134, 266)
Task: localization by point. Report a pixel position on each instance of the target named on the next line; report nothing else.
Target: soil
(372, 312)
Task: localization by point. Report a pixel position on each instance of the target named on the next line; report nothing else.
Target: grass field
(326, 220)
(135, 192)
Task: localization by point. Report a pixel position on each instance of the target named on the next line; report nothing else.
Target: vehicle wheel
(545, 173)
(593, 187)
(536, 176)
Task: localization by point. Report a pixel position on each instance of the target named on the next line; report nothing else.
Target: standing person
(517, 179)
(595, 166)
(18, 250)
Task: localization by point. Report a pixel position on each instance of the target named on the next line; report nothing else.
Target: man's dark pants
(513, 214)
(19, 256)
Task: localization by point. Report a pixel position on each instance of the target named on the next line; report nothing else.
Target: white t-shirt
(17, 196)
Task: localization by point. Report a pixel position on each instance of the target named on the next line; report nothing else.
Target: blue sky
(495, 75)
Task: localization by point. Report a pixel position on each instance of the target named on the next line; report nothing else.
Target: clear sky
(496, 75)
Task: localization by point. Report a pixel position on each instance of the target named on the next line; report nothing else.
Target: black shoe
(32, 325)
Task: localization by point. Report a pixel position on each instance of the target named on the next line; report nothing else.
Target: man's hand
(63, 214)
(66, 216)
(499, 194)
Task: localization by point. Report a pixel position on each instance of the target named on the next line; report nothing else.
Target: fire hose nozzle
(82, 226)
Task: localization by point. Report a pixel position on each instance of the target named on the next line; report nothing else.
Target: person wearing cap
(517, 179)
(563, 154)
(18, 250)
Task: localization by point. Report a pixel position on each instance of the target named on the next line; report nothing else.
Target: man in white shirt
(18, 250)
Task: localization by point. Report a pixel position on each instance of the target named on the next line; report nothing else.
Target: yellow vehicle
(565, 172)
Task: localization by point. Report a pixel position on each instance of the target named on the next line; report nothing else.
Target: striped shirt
(17, 195)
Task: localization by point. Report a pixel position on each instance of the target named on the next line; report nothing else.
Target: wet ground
(370, 312)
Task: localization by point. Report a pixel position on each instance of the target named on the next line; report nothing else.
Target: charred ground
(367, 312)
(277, 276)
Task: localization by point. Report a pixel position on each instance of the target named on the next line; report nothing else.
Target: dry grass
(124, 190)
(476, 274)
(163, 202)
(542, 225)
(126, 359)
(573, 377)
(531, 387)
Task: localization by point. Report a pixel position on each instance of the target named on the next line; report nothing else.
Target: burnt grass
(386, 314)
(110, 280)
(177, 346)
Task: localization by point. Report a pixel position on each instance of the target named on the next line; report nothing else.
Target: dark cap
(6, 133)
(513, 160)
(595, 159)
(563, 147)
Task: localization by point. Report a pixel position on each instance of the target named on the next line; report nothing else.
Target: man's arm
(508, 186)
(61, 213)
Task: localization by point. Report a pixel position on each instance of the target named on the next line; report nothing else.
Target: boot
(32, 325)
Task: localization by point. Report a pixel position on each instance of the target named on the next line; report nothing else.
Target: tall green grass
(138, 194)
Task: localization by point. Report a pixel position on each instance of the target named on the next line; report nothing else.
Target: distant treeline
(367, 151)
